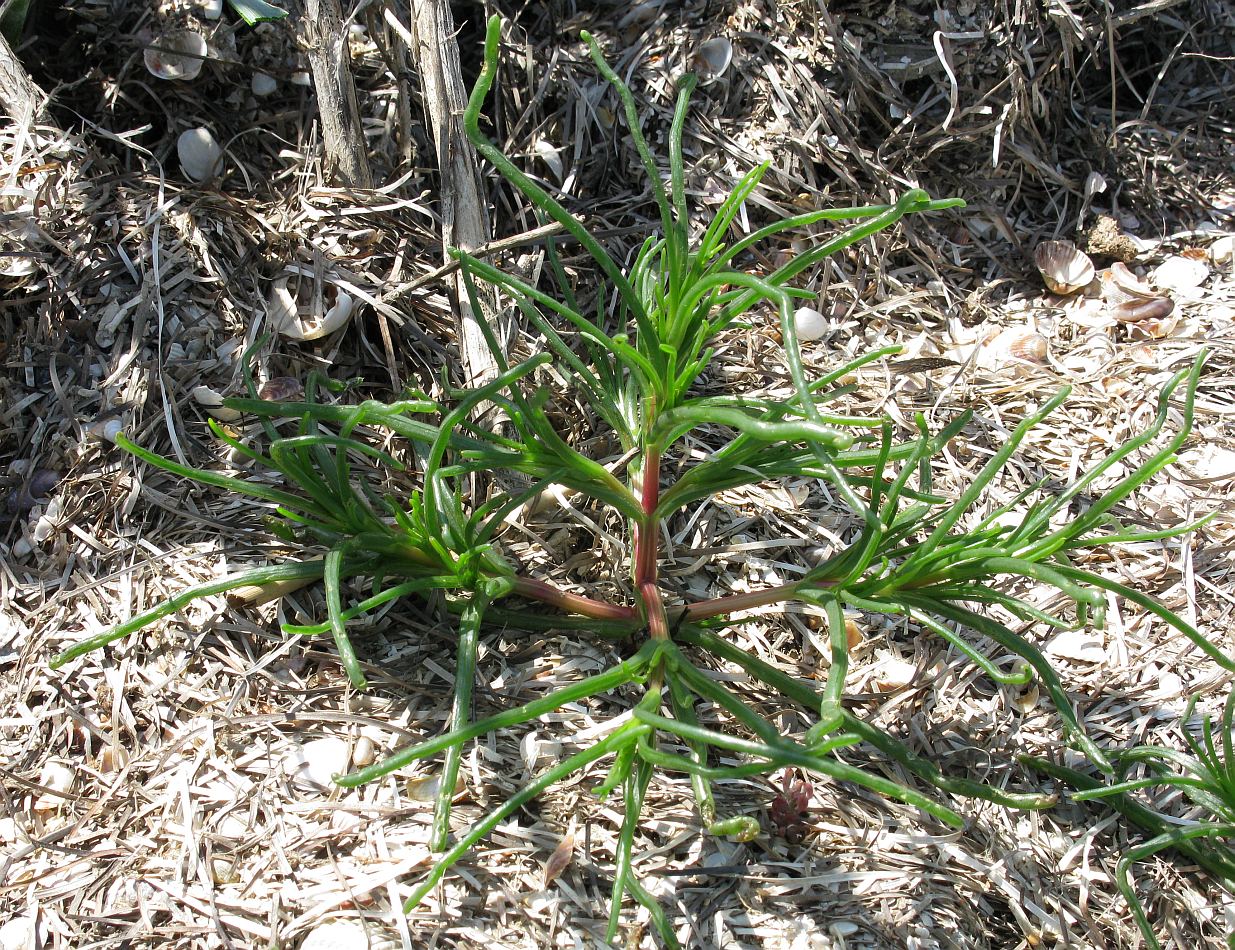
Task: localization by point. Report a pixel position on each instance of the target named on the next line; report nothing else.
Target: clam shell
(1130, 300)
(212, 402)
(199, 153)
(176, 55)
(298, 317)
(1018, 343)
(1064, 267)
(1180, 273)
(712, 59)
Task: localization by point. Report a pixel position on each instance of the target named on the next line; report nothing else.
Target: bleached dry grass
(152, 794)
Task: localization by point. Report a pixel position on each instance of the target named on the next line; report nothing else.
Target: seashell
(263, 85)
(1083, 646)
(424, 788)
(298, 316)
(550, 155)
(212, 9)
(280, 389)
(1122, 279)
(105, 429)
(176, 55)
(212, 402)
(1180, 273)
(302, 78)
(893, 674)
(1154, 327)
(24, 932)
(1014, 343)
(200, 155)
(364, 752)
(347, 935)
(712, 59)
(1222, 251)
(311, 766)
(1064, 267)
(55, 777)
(1129, 299)
(1027, 700)
(809, 324)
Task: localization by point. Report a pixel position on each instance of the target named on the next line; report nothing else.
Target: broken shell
(893, 674)
(298, 316)
(1129, 299)
(1180, 273)
(105, 429)
(348, 935)
(176, 55)
(280, 389)
(312, 765)
(263, 85)
(1154, 327)
(1016, 343)
(212, 402)
(1064, 267)
(712, 59)
(1222, 251)
(1083, 646)
(200, 155)
(212, 9)
(809, 323)
(550, 156)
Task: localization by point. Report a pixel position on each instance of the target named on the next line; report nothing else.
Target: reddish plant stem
(646, 533)
(703, 609)
(546, 593)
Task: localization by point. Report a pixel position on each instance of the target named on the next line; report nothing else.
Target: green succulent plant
(636, 363)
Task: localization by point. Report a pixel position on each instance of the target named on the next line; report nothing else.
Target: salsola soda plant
(373, 531)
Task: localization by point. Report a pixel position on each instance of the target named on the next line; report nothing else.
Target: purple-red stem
(646, 533)
(572, 603)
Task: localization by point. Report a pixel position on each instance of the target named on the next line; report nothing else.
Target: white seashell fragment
(893, 673)
(212, 402)
(1222, 251)
(1083, 646)
(212, 9)
(25, 932)
(1210, 462)
(263, 85)
(809, 323)
(176, 55)
(200, 155)
(1064, 267)
(1014, 346)
(105, 430)
(550, 156)
(347, 935)
(312, 765)
(1180, 273)
(304, 319)
(55, 777)
(712, 59)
